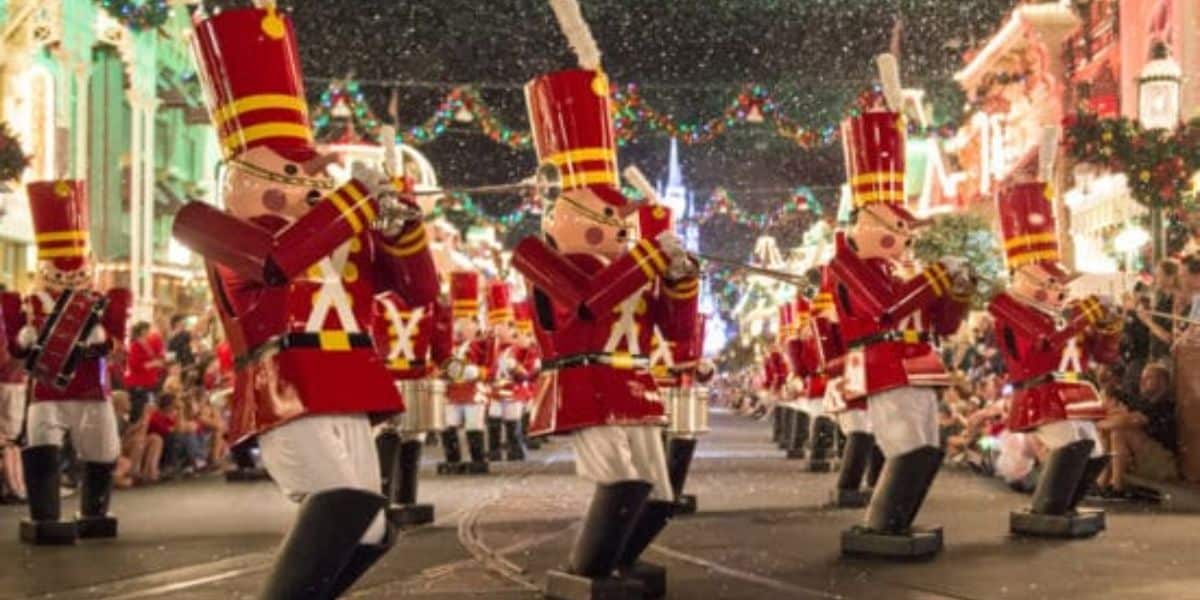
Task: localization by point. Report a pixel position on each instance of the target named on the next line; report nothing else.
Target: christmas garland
(754, 104)
(137, 16)
(12, 160)
(721, 204)
(1157, 163)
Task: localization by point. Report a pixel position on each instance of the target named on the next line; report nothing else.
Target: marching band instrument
(424, 404)
(687, 409)
(547, 182)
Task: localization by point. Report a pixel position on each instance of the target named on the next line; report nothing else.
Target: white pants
(904, 419)
(467, 416)
(12, 410)
(93, 427)
(815, 407)
(1060, 433)
(325, 452)
(854, 421)
(509, 411)
(611, 453)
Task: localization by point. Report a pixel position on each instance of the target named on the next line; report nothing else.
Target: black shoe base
(239, 475)
(49, 533)
(915, 545)
(797, 454)
(96, 527)
(818, 466)
(685, 504)
(404, 516)
(495, 456)
(478, 468)
(1081, 524)
(452, 468)
(515, 457)
(850, 498)
(652, 576)
(533, 444)
(561, 585)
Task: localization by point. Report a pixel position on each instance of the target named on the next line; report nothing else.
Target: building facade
(92, 98)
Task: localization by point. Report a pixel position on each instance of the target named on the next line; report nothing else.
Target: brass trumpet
(547, 182)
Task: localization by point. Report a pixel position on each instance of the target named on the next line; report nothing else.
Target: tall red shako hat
(499, 306)
(464, 294)
(250, 73)
(523, 315)
(787, 322)
(1030, 232)
(60, 222)
(874, 145)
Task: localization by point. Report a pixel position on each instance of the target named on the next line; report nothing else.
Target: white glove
(27, 336)
(679, 264)
(97, 336)
(375, 180)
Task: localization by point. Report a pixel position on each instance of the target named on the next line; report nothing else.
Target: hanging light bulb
(755, 115)
(462, 115)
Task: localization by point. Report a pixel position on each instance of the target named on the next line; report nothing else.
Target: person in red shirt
(143, 367)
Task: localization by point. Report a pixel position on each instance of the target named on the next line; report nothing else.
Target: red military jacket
(672, 363)
(594, 322)
(525, 379)
(515, 368)
(807, 354)
(888, 324)
(1046, 363)
(296, 301)
(91, 382)
(413, 341)
(479, 354)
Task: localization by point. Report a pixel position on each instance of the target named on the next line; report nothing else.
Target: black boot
(823, 440)
(1052, 513)
(453, 464)
(361, 560)
(516, 447)
(786, 424)
(93, 520)
(493, 439)
(321, 544)
(387, 444)
(475, 443)
(679, 461)
(875, 466)
(404, 510)
(797, 439)
(608, 527)
(854, 463)
(654, 517)
(44, 527)
(902, 489)
(777, 425)
(1095, 467)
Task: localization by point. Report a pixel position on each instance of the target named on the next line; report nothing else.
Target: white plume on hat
(577, 32)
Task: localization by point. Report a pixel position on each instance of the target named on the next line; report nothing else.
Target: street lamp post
(1158, 108)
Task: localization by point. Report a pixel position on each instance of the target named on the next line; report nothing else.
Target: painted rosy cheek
(274, 200)
(1040, 295)
(594, 236)
(888, 241)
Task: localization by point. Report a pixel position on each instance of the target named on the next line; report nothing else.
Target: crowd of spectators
(165, 383)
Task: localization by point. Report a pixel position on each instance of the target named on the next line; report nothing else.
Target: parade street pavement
(761, 533)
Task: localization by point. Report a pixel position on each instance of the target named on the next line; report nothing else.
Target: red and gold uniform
(504, 412)
(1047, 362)
(597, 299)
(294, 263)
(81, 407)
(888, 325)
(469, 367)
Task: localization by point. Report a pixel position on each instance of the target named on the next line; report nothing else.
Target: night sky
(688, 56)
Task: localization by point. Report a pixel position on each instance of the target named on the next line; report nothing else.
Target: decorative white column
(150, 108)
(82, 73)
(135, 203)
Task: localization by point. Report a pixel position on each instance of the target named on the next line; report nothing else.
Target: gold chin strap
(593, 215)
(292, 180)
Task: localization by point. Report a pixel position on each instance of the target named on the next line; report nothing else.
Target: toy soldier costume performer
(413, 341)
(294, 264)
(504, 409)
(1047, 361)
(596, 305)
(71, 395)
(528, 359)
(805, 353)
(888, 325)
(469, 365)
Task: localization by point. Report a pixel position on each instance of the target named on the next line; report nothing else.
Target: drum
(687, 409)
(424, 405)
(64, 336)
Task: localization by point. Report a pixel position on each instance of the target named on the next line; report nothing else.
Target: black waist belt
(1058, 376)
(616, 360)
(325, 340)
(908, 337)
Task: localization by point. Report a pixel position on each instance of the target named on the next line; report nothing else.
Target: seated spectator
(1140, 433)
(142, 449)
(144, 365)
(163, 423)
